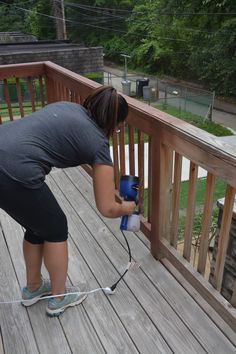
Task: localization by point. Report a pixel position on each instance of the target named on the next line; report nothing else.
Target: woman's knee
(54, 230)
(58, 230)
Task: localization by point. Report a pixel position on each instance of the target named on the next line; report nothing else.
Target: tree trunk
(59, 14)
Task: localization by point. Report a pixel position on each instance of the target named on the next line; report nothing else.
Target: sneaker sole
(58, 312)
(30, 302)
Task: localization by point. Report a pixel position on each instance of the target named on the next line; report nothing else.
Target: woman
(62, 134)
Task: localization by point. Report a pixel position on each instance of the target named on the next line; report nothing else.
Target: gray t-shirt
(60, 135)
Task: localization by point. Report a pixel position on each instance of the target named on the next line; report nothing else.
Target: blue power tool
(129, 186)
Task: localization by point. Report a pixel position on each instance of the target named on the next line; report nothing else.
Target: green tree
(99, 22)
(25, 17)
(188, 39)
(42, 27)
(12, 19)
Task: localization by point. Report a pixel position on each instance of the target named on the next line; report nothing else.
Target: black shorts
(36, 210)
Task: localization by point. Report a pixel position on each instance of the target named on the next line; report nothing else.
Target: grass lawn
(219, 192)
(220, 188)
(16, 110)
(197, 224)
(210, 127)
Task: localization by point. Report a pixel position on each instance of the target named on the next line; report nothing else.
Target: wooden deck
(154, 309)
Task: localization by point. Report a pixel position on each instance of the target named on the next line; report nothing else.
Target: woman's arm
(104, 191)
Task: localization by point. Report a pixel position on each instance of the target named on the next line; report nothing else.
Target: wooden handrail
(21, 70)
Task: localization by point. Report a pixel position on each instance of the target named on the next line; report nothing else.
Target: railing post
(50, 90)
(166, 170)
(176, 199)
(224, 237)
(141, 170)
(161, 172)
(193, 173)
(155, 218)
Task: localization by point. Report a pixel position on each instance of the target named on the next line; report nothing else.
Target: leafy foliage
(24, 16)
(192, 40)
(42, 27)
(11, 20)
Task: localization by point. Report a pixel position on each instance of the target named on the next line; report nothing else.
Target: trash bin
(147, 93)
(140, 83)
(126, 87)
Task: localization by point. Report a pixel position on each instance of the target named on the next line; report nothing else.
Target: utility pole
(59, 13)
(125, 72)
(126, 84)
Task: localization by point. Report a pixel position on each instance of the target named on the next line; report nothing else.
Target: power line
(90, 25)
(101, 8)
(99, 19)
(198, 14)
(106, 20)
(112, 29)
(85, 7)
(160, 13)
(22, 3)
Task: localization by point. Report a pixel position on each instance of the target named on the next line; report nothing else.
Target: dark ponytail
(107, 108)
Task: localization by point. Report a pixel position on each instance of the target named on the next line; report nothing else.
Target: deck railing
(157, 144)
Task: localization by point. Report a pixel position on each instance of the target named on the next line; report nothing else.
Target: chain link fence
(164, 94)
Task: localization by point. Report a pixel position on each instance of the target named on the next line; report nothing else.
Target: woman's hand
(104, 191)
(128, 207)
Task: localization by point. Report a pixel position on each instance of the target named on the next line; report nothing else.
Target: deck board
(51, 336)
(15, 324)
(170, 289)
(125, 304)
(150, 313)
(207, 333)
(1, 344)
(164, 318)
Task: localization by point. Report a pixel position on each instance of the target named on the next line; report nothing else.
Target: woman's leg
(45, 239)
(39, 213)
(33, 255)
(56, 261)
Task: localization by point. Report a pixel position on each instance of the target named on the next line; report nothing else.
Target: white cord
(106, 290)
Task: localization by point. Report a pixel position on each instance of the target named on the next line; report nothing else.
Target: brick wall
(13, 37)
(78, 59)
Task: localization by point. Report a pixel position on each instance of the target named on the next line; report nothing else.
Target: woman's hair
(107, 108)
